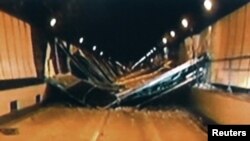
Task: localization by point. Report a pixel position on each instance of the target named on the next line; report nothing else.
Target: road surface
(80, 124)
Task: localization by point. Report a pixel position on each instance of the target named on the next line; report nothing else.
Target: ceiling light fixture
(210, 28)
(81, 40)
(184, 23)
(172, 34)
(164, 40)
(53, 22)
(101, 53)
(148, 54)
(208, 5)
(165, 50)
(154, 48)
(94, 48)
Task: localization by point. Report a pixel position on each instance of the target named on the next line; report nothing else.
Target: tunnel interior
(56, 84)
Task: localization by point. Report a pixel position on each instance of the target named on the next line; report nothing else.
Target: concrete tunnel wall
(222, 107)
(16, 56)
(229, 37)
(17, 62)
(25, 97)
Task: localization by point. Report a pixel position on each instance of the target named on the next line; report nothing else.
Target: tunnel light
(118, 63)
(138, 62)
(165, 50)
(151, 60)
(184, 22)
(208, 5)
(94, 48)
(210, 28)
(101, 53)
(201, 69)
(53, 22)
(148, 54)
(154, 48)
(81, 40)
(172, 34)
(164, 40)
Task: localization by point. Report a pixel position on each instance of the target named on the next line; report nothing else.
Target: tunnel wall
(25, 97)
(227, 39)
(17, 67)
(16, 55)
(230, 38)
(223, 108)
(228, 43)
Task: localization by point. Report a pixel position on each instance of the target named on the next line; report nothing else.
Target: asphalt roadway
(58, 123)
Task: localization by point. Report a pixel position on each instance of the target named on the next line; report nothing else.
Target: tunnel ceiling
(123, 29)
